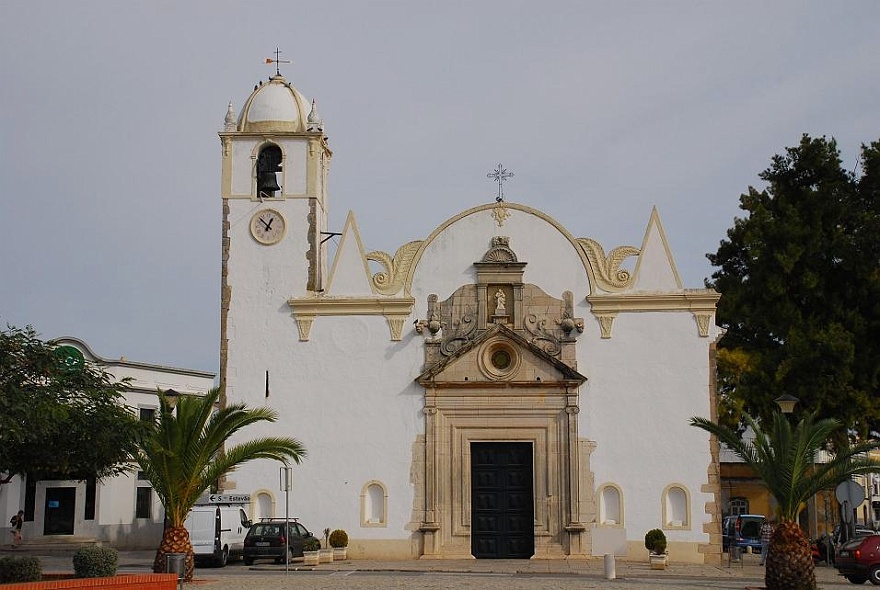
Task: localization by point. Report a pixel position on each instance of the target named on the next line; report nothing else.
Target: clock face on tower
(267, 226)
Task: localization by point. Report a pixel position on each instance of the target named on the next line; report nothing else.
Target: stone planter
(340, 553)
(658, 562)
(311, 557)
(326, 555)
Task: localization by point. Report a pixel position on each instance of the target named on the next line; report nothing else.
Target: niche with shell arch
(676, 503)
(610, 499)
(374, 504)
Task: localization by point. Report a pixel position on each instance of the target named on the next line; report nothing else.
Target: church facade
(500, 388)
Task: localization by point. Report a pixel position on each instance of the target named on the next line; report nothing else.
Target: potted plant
(311, 551)
(655, 543)
(339, 542)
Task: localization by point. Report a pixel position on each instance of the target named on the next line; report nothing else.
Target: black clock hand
(269, 225)
(265, 225)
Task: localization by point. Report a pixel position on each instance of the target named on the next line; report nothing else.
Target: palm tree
(183, 455)
(784, 459)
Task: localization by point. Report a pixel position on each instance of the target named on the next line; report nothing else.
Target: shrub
(311, 544)
(339, 538)
(655, 541)
(20, 569)
(91, 561)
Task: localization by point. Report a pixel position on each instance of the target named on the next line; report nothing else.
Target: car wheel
(248, 560)
(223, 558)
(856, 579)
(874, 575)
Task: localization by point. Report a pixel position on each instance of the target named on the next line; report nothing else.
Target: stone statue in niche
(500, 300)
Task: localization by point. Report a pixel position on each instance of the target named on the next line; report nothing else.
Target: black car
(272, 538)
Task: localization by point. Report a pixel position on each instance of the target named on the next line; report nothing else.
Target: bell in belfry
(267, 184)
(268, 164)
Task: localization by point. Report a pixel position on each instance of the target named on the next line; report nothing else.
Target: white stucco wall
(645, 384)
(355, 429)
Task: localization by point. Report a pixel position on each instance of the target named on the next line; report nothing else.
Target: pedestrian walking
(766, 533)
(16, 522)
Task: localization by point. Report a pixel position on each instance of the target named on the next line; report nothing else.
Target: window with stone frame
(738, 505)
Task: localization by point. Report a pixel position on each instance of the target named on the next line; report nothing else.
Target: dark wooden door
(502, 500)
(60, 511)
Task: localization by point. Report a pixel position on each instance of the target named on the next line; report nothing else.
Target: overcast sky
(110, 160)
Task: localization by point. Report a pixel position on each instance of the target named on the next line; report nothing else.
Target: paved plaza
(471, 574)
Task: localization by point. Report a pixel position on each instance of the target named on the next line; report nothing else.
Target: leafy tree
(59, 420)
(784, 458)
(184, 454)
(800, 282)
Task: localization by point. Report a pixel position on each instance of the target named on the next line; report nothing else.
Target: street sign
(286, 474)
(850, 495)
(850, 491)
(229, 498)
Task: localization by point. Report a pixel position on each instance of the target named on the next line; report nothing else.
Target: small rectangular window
(147, 414)
(144, 503)
(91, 493)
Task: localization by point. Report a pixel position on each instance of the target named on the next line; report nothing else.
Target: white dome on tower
(274, 106)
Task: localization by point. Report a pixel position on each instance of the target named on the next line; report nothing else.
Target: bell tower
(275, 153)
(275, 161)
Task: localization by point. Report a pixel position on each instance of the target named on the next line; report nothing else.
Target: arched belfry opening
(268, 166)
(503, 463)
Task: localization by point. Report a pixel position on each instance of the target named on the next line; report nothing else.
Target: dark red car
(859, 560)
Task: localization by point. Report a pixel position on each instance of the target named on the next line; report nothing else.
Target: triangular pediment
(500, 356)
(655, 269)
(350, 274)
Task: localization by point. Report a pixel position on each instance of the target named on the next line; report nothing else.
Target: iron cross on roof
(500, 175)
(277, 61)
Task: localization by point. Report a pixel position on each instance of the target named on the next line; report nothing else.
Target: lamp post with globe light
(786, 403)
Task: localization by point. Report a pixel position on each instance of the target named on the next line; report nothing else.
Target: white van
(217, 527)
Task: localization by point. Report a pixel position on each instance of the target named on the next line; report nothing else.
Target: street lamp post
(786, 403)
(172, 396)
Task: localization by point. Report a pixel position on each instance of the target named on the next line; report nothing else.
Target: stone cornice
(395, 309)
(700, 302)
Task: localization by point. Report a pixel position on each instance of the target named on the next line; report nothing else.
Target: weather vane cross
(500, 175)
(277, 61)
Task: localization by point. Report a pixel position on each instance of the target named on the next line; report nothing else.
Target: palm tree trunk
(789, 561)
(175, 540)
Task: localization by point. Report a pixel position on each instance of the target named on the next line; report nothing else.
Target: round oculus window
(499, 360)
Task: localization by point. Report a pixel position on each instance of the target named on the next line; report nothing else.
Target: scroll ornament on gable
(390, 281)
(606, 269)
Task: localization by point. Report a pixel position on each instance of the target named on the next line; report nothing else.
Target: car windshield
(860, 531)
